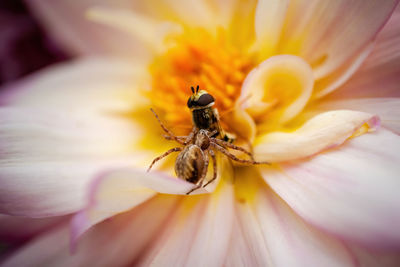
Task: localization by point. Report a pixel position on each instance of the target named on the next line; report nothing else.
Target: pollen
(197, 58)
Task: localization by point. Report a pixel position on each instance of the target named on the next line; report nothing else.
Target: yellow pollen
(197, 58)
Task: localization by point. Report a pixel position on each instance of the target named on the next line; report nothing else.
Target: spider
(192, 162)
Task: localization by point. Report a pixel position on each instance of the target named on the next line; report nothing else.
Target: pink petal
(328, 33)
(388, 109)
(379, 76)
(116, 191)
(66, 22)
(48, 158)
(269, 233)
(324, 131)
(372, 258)
(115, 242)
(351, 191)
(17, 229)
(197, 235)
(58, 130)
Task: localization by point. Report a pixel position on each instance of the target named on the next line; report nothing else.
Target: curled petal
(323, 131)
(283, 83)
(388, 109)
(351, 191)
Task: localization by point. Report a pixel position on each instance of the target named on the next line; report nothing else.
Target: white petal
(47, 159)
(58, 130)
(388, 109)
(120, 190)
(269, 19)
(269, 233)
(115, 242)
(96, 85)
(321, 132)
(194, 13)
(66, 22)
(198, 233)
(351, 191)
(151, 32)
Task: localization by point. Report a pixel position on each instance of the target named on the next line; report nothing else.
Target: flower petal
(379, 76)
(95, 84)
(323, 131)
(113, 192)
(18, 229)
(198, 234)
(47, 158)
(269, 19)
(269, 233)
(116, 242)
(67, 23)
(58, 129)
(283, 83)
(351, 191)
(328, 33)
(388, 109)
(151, 32)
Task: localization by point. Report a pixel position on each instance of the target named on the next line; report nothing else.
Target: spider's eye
(204, 100)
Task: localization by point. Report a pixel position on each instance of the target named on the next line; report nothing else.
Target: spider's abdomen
(190, 163)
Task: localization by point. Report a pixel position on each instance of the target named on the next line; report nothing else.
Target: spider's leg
(179, 139)
(230, 145)
(190, 137)
(176, 149)
(203, 174)
(165, 128)
(233, 157)
(214, 159)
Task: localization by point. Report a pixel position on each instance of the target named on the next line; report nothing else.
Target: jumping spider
(192, 162)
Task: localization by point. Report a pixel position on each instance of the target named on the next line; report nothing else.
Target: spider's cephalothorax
(204, 115)
(192, 162)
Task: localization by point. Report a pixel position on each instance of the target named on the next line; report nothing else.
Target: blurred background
(24, 46)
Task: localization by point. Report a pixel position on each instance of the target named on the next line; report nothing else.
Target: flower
(76, 139)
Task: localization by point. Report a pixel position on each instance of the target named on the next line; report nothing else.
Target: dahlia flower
(311, 86)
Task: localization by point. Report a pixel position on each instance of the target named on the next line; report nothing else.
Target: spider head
(202, 139)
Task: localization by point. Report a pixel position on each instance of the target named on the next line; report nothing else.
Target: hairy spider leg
(176, 149)
(166, 129)
(230, 145)
(233, 157)
(214, 159)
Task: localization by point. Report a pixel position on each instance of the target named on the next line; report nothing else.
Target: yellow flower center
(197, 58)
